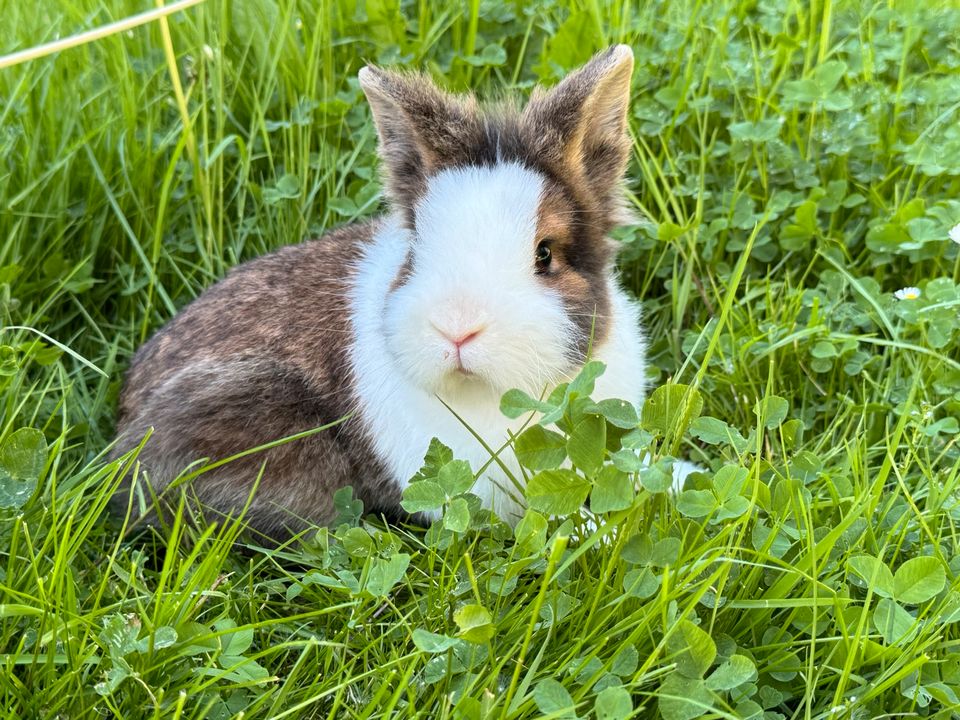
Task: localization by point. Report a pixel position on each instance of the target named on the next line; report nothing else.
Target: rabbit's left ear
(582, 122)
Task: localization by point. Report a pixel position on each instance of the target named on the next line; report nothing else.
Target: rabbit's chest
(483, 439)
(472, 427)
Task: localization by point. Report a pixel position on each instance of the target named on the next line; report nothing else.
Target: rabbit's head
(507, 279)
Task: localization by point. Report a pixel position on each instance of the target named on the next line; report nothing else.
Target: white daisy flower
(907, 293)
(955, 233)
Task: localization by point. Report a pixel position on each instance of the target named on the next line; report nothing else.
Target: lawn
(796, 169)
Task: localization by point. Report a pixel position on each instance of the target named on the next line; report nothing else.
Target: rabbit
(492, 270)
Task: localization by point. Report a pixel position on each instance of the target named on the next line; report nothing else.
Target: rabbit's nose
(464, 339)
(458, 336)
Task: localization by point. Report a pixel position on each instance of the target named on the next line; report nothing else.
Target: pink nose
(463, 339)
(458, 340)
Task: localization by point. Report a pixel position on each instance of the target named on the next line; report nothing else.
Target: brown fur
(406, 270)
(259, 356)
(575, 133)
(263, 354)
(580, 263)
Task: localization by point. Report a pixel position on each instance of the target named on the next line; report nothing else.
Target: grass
(797, 164)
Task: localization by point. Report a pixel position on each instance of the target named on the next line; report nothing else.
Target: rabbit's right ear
(420, 128)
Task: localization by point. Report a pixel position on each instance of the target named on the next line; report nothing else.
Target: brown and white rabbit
(492, 271)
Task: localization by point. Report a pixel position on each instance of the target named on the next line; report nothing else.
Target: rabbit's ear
(420, 128)
(582, 122)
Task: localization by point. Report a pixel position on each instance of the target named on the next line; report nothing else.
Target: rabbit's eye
(543, 256)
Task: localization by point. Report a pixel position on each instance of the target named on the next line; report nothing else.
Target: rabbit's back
(285, 306)
(261, 355)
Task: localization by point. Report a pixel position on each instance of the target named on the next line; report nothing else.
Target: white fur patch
(472, 271)
(473, 261)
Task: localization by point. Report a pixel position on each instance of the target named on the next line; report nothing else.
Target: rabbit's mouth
(461, 370)
(460, 384)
